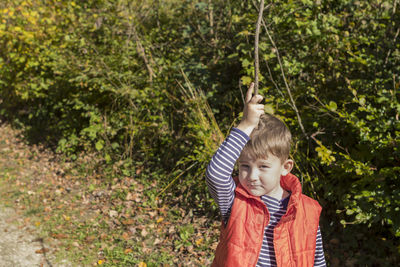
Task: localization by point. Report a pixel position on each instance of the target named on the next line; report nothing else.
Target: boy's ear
(287, 167)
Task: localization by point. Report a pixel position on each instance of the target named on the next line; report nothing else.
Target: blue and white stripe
(222, 189)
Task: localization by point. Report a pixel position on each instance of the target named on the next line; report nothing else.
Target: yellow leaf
(128, 250)
(142, 264)
(100, 262)
(199, 241)
(160, 219)
(37, 223)
(246, 80)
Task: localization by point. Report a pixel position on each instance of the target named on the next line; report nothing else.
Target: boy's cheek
(241, 178)
(242, 175)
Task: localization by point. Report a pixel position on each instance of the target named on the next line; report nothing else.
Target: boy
(267, 221)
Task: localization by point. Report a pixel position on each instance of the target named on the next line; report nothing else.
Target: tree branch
(285, 80)
(256, 58)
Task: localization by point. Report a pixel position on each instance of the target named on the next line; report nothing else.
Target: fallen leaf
(125, 236)
(113, 213)
(132, 230)
(129, 196)
(128, 222)
(42, 251)
(199, 241)
(139, 170)
(142, 264)
(128, 250)
(90, 238)
(59, 236)
(144, 232)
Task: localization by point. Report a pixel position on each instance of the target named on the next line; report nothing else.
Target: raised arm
(219, 171)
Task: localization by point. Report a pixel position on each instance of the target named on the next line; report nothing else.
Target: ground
(56, 213)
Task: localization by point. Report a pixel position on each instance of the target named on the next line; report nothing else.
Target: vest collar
(291, 183)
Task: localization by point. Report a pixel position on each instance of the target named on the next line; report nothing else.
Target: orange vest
(294, 236)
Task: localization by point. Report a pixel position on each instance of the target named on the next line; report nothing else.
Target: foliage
(125, 79)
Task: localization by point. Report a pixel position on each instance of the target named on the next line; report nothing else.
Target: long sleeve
(219, 171)
(319, 259)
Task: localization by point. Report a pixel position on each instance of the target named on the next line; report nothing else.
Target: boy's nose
(253, 175)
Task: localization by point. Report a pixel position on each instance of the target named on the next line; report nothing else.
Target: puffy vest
(294, 236)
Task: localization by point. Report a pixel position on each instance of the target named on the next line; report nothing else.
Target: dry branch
(257, 38)
(285, 80)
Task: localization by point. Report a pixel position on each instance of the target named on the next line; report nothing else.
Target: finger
(249, 93)
(259, 107)
(256, 99)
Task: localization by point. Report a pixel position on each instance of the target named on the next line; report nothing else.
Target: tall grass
(203, 133)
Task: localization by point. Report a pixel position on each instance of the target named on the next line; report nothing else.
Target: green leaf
(332, 106)
(99, 145)
(246, 80)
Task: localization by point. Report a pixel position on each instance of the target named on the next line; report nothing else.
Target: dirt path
(20, 241)
(19, 246)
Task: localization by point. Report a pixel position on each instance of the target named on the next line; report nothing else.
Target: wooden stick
(257, 38)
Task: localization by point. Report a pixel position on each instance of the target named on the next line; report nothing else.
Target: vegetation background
(148, 89)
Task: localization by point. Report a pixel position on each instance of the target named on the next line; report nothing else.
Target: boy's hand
(251, 112)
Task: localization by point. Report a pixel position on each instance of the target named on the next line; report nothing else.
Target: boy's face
(262, 176)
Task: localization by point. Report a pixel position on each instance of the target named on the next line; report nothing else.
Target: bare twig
(317, 133)
(176, 178)
(241, 92)
(394, 84)
(390, 50)
(285, 80)
(211, 16)
(256, 58)
(275, 84)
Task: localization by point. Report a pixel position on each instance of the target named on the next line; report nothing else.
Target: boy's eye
(244, 166)
(264, 166)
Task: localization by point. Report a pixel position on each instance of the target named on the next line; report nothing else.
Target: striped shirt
(222, 189)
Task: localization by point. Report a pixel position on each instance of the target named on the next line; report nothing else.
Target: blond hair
(270, 137)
